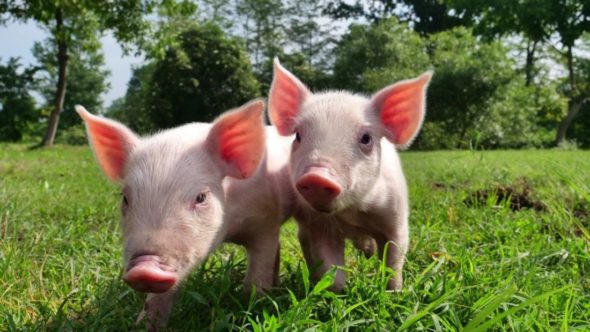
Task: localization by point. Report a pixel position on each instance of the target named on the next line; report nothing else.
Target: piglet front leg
(263, 260)
(392, 248)
(156, 310)
(323, 251)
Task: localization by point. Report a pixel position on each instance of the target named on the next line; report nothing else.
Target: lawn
(499, 241)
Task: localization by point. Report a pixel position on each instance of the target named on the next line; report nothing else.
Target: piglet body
(345, 169)
(188, 189)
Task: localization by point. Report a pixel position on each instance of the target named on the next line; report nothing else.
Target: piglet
(188, 189)
(345, 169)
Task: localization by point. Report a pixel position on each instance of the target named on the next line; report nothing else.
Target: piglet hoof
(395, 284)
(336, 288)
(152, 324)
(256, 290)
(140, 318)
(339, 282)
(366, 244)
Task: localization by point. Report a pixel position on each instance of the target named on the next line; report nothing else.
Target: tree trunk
(575, 103)
(574, 107)
(530, 61)
(60, 93)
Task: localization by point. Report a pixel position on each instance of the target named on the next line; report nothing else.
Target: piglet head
(172, 196)
(336, 152)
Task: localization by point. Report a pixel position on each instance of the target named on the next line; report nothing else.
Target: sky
(17, 39)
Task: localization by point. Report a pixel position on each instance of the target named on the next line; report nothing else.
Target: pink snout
(319, 187)
(146, 274)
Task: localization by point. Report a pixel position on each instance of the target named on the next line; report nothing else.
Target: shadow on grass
(35, 146)
(212, 298)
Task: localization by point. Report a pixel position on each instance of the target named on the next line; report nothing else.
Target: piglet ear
(237, 140)
(286, 96)
(111, 141)
(401, 107)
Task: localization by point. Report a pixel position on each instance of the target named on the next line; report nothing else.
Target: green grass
(471, 267)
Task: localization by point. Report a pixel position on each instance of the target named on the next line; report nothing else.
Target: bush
(370, 57)
(205, 75)
(73, 135)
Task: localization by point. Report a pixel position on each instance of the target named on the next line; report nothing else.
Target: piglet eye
(200, 198)
(125, 201)
(366, 139)
(297, 137)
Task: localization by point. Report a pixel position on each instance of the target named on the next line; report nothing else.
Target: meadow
(499, 241)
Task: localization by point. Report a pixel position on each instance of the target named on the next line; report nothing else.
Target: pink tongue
(148, 277)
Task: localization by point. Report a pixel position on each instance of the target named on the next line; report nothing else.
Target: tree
(308, 35)
(424, 16)
(220, 12)
(315, 78)
(205, 75)
(133, 108)
(528, 18)
(370, 57)
(263, 29)
(17, 106)
(86, 72)
(468, 74)
(80, 23)
(519, 116)
(571, 20)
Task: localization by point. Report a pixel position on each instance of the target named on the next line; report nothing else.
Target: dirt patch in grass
(581, 211)
(518, 196)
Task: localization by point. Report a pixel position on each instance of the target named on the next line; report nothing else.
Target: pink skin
(345, 168)
(186, 190)
(318, 187)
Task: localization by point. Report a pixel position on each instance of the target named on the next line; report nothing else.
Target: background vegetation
(508, 74)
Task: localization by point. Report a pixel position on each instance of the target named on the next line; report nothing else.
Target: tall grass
(476, 262)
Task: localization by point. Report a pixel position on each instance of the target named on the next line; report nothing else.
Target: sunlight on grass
(478, 261)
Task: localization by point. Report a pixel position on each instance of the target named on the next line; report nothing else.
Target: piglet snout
(318, 186)
(146, 274)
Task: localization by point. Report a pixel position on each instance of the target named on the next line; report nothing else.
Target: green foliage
(207, 74)
(426, 16)
(17, 107)
(505, 17)
(467, 75)
(477, 97)
(298, 63)
(262, 26)
(133, 109)
(515, 117)
(87, 79)
(166, 27)
(85, 20)
(77, 26)
(306, 32)
(470, 267)
(73, 135)
(475, 94)
(369, 57)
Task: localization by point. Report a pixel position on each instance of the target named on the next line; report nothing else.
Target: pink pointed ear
(237, 140)
(111, 141)
(401, 107)
(286, 96)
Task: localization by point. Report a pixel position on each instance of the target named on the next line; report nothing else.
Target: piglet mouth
(146, 273)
